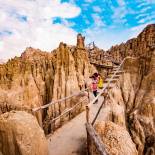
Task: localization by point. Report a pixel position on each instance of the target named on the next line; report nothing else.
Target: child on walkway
(100, 82)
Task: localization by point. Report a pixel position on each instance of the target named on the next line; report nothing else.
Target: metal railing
(93, 139)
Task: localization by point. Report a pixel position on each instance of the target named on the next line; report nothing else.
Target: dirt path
(70, 139)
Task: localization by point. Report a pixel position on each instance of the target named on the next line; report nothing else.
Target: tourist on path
(94, 86)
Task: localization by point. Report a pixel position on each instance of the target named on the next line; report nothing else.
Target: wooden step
(114, 70)
(119, 72)
(110, 87)
(115, 66)
(116, 76)
(112, 81)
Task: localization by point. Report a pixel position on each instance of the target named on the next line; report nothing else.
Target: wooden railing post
(88, 95)
(87, 114)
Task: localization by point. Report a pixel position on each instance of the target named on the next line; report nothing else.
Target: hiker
(100, 82)
(94, 86)
(96, 75)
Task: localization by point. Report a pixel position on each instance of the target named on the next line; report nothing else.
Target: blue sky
(44, 23)
(118, 14)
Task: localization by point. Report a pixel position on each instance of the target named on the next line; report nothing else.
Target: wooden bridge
(73, 135)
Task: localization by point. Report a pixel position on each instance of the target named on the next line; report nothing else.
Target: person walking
(94, 86)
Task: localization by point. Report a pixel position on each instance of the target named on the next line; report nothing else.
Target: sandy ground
(70, 139)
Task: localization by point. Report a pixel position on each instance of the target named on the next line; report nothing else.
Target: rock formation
(20, 134)
(116, 139)
(37, 78)
(80, 41)
(140, 46)
(132, 100)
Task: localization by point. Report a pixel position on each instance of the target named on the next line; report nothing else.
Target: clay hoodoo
(37, 77)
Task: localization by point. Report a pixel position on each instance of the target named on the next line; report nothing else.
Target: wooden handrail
(95, 118)
(92, 135)
(67, 111)
(101, 65)
(60, 100)
(102, 91)
(106, 86)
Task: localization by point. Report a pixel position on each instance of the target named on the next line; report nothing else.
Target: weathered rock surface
(116, 139)
(133, 105)
(37, 78)
(132, 100)
(140, 46)
(20, 134)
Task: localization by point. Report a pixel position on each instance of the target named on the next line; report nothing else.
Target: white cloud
(147, 19)
(141, 15)
(150, 1)
(107, 37)
(141, 21)
(97, 9)
(138, 29)
(119, 14)
(142, 4)
(38, 31)
(89, 1)
(97, 20)
(121, 2)
(145, 9)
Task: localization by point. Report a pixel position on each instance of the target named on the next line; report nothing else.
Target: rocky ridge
(132, 100)
(37, 78)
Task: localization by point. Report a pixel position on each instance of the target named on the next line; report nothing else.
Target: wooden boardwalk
(71, 138)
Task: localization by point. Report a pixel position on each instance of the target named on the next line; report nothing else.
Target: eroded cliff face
(37, 78)
(140, 46)
(27, 81)
(139, 100)
(132, 100)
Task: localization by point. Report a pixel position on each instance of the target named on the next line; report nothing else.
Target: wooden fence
(59, 112)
